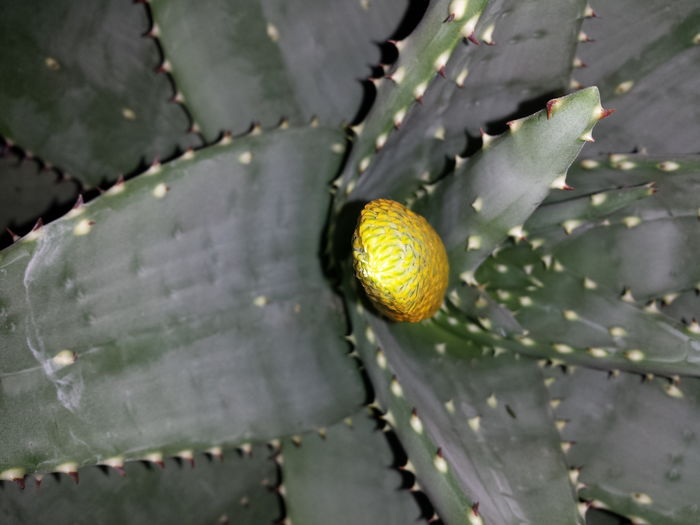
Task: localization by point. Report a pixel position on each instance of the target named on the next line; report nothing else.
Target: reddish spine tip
(550, 105)
(160, 463)
(606, 113)
(449, 18)
(473, 39)
(38, 224)
(566, 187)
(439, 452)
(75, 476)
(14, 236)
(37, 482)
(20, 482)
(441, 72)
(475, 508)
(419, 99)
(79, 202)
(121, 470)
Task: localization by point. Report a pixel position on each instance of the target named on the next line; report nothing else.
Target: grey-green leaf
(494, 192)
(28, 192)
(234, 490)
(345, 477)
(637, 48)
(635, 442)
(183, 309)
(239, 63)
(80, 90)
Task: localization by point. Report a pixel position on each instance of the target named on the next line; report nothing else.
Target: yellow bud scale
(400, 261)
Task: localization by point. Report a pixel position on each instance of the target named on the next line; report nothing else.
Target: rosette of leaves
(198, 303)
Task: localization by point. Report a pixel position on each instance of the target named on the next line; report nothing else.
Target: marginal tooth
(668, 165)
(462, 77)
(486, 139)
(624, 87)
(487, 35)
(570, 225)
(589, 164)
(627, 296)
(559, 183)
(552, 106)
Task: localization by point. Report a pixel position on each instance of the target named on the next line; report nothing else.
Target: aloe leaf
(236, 64)
(670, 173)
(528, 58)
(479, 409)
(422, 56)
(634, 443)
(345, 476)
(647, 246)
(83, 94)
(570, 318)
(481, 85)
(650, 258)
(28, 192)
(554, 221)
(182, 310)
(632, 72)
(493, 193)
(233, 490)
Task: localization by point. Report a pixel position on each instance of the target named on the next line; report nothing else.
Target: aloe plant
(197, 306)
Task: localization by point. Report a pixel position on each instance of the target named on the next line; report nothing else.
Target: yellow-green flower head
(400, 261)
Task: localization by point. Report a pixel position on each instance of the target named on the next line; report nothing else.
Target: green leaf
(82, 94)
(239, 63)
(573, 319)
(345, 477)
(235, 490)
(528, 57)
(495, 191)
(482, 85)
(634, 74)
(422, 56)
(634, 442)
(183, 309)
(28, 192)
(487, 414)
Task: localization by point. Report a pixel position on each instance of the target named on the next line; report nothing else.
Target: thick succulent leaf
(345, 477)
(482, 84)
(495, 191)
(635, 443)
(673, 176)
(183, 309)
(553, 221)
(647, 246)
(260, 61)
(234, 490)
(439, 483)
(633, 73)
(422, 56)
(570, 318)
(651, 258)
(487, 413)
(528, 59)
(28, 192)
(82, 94)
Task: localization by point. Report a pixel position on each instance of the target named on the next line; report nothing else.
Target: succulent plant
(198, 305)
